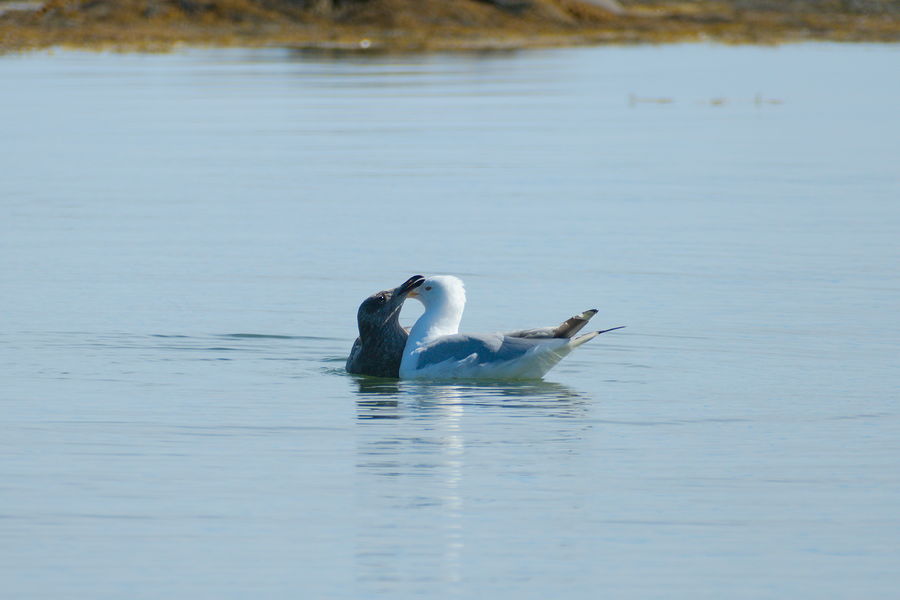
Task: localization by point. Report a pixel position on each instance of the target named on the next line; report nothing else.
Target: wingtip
(575, 342)
(610, 329)
(586, 315)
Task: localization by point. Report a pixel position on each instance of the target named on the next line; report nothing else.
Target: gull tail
(589, 336)
(574, 324)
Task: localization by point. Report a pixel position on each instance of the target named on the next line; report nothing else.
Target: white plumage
(436, 350)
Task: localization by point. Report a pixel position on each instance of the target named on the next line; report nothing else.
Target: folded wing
(489, 355)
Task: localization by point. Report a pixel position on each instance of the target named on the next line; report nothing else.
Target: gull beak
(408, 288)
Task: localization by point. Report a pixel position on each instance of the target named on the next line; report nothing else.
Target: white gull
(436, 350)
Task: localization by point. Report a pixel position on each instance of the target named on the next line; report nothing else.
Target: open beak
(409, 286)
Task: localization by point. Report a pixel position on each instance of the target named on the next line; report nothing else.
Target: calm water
(185, 239)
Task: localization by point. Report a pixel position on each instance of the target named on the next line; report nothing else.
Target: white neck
(443, 312)
(441, 318)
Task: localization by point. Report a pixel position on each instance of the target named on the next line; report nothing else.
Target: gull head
(440, 290)
(381, 309)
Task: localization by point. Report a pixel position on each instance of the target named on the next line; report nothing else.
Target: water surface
(185, 239)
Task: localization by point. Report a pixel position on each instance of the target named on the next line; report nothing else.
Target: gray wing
(490, 348)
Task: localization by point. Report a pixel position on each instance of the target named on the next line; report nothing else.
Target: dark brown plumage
(379, 348)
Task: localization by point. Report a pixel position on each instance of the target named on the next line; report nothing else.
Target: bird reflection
(377, 397)
(380, 398)
(413, 473)
(416, 474)
(375, 386)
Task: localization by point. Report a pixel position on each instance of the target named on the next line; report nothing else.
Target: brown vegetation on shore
(437, 24)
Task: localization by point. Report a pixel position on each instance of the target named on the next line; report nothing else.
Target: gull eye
(427, 288)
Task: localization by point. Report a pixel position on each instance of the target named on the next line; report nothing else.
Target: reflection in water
(383, 398)
(375, 386)
(377, 397)
(369, 54)
(413, 474)
(417, 471)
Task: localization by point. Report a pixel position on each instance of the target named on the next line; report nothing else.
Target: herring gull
(436, 350)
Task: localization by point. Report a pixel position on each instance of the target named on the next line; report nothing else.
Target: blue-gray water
(185, 239)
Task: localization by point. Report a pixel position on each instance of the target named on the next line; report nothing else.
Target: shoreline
(23, 31)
